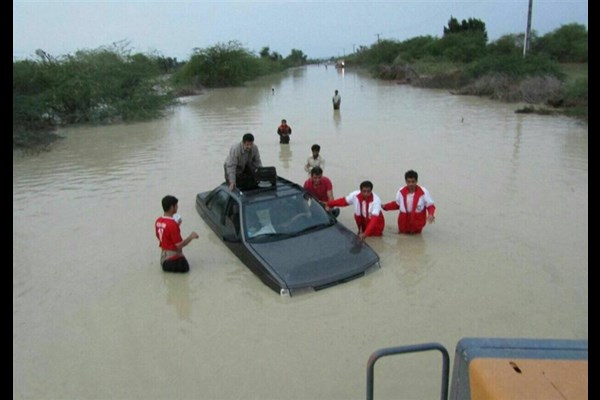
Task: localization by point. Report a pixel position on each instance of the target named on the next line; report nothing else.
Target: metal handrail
(409, 349)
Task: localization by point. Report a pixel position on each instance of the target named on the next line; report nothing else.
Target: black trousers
(246, 179)
(285, 139)
(179, 264)
(243, 180)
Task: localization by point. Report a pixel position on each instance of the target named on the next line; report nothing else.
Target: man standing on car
(241, 163)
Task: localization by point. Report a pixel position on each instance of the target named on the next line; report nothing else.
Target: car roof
(282, 187)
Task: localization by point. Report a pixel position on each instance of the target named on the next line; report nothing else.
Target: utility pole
(377, 34)
(526, 43)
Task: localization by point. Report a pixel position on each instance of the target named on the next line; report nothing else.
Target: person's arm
(429, 206)
(373, 222)
(186, 241)
(308, 165)
(329, 187)
(341, 202)
(231, 165)
(329, 195)
(430, 213)
(392, 205)
(257, 160)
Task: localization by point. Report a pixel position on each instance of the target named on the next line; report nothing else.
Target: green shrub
(576, 93)
(90, 86)
(569, 43)
(513, 66)
(221, 65)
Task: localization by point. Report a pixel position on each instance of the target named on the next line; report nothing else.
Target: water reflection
(337, 119)
(285, 155)
(179, 294)
(516, 154)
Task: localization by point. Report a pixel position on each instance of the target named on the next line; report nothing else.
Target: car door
(232, 219)
(217, 205)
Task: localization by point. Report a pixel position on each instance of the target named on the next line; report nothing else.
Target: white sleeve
(427, 197)
(351, 198)
(376, 205)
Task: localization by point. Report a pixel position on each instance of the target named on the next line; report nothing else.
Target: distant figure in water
(336, 100)
(315, 160)
(284, 131)
(273, 90)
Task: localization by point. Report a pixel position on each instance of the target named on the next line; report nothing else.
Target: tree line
(112, 83)
(464, 61)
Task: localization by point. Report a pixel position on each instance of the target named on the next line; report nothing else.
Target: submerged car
(285, 236)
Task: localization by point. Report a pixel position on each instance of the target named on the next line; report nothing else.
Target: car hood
(323, 257)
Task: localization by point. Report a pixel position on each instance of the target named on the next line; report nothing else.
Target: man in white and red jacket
(415, 205)
(367, 210)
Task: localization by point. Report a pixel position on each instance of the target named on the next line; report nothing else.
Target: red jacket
(284, 129)
(367, 212)
(415, 220)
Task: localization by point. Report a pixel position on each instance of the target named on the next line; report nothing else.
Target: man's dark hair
(316, 171)
(248, 137)
(366, 184)
(168, 201)
(411, 174)
(315, 147)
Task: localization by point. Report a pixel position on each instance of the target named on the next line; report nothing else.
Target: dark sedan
(285, 236)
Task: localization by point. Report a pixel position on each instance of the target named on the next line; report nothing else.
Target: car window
(258, 220)
(289, 215)
(217, 205)
(232, 217)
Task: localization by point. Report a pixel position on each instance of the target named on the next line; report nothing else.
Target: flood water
(94, 316)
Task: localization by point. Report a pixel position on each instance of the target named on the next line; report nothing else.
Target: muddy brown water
(94, 317)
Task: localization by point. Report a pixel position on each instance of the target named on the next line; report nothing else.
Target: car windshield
(282, 217)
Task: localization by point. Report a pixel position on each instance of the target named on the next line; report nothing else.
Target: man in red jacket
(284, 131)
(415, 205)
(367, 210)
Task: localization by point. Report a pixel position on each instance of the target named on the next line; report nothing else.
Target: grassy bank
(111, 84)
(551, 78)
(562, 89)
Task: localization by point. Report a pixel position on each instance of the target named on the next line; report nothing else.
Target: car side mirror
(231, 237)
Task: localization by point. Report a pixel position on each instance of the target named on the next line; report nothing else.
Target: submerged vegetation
(230, 64)
(112, 84)
(553, 73)
(95, 86)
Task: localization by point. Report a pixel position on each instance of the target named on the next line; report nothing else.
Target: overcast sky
(319, 28)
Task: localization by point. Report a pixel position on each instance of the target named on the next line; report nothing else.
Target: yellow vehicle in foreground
(504, 368)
